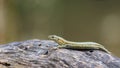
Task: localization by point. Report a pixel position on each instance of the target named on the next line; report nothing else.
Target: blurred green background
(75, 20)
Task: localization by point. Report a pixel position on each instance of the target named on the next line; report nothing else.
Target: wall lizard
(76, 45)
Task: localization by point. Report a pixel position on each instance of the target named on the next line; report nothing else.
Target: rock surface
(40, 54)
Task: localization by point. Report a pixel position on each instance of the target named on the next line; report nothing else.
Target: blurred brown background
(75, 20)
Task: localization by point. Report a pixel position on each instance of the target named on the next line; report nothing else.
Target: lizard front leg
(61, 46)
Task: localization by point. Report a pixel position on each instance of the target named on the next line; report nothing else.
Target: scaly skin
(76, 45)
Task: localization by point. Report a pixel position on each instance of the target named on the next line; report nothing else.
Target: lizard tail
(104, 49)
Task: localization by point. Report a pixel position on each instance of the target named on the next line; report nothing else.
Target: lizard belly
(85, 46)
(81, 46)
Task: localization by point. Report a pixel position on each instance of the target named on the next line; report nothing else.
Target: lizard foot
(54, 48)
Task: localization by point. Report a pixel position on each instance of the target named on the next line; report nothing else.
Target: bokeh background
(75, 20)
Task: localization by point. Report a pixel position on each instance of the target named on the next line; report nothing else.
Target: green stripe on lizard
(76, 45)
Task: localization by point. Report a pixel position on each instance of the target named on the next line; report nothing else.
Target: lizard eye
(52, 37)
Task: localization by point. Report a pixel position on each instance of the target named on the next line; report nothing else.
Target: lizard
(63, 43)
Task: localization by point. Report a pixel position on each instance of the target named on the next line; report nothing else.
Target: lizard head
(57, 39)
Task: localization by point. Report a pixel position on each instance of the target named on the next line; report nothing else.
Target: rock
(40, 54)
